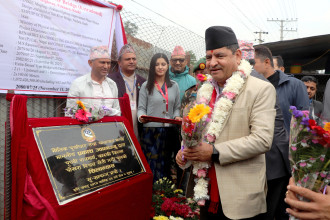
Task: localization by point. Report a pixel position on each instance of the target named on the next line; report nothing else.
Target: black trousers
(205, 215)
(275, 199)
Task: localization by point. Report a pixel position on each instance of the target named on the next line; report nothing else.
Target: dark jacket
(121, 84)
(291, 92)
(316, 108)
(122, 88)
(277, 159)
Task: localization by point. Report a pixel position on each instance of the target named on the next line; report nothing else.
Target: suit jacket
(318, 108)
(277, 159)
(122, 88)
(121, 84)
(246, 135)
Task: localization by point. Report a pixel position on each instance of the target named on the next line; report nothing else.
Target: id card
(133, 105)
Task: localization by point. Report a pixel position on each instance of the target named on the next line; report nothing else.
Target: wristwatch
(215, 155)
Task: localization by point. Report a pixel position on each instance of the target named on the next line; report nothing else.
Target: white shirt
(102, 91)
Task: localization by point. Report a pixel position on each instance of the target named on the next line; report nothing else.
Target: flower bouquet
(195, 120)
(309, 152)
(81, 113)
(201, 77)
(169, 203)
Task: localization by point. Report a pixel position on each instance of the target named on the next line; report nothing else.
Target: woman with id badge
(159, 97)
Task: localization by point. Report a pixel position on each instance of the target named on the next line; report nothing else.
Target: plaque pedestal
(33, 194)
(126, 199)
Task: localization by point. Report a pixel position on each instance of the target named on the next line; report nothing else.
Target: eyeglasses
(176, 60)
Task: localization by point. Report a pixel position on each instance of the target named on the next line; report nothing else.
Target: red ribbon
(164, 96)
(214, 191)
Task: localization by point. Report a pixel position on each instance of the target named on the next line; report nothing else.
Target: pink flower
(312, 160)
(201, 202)
(303, 164)
(229, 95)
(306, 113)
(321, 158)
(293, 148)
(323, 174)
(82, 115)
(303, 141)
(201, 173)
(210, 138)
(315, 141)
(201, 77)
(306, 179)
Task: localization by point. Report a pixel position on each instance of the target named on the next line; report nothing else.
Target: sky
(309, 18)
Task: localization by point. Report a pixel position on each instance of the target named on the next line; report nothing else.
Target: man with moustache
(179, 71)
(240, 132)
(315, 107)
(128, 81)
(96, 84)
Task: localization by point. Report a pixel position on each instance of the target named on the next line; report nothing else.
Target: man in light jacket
(95, 88)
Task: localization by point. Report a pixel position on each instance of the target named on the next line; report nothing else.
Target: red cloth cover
(126, 108)
(36, 206)
(128, 199)
(18, 125)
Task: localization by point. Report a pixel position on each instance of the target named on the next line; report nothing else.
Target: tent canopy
(313, 53)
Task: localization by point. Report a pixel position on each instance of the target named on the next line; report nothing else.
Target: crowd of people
(250, 168)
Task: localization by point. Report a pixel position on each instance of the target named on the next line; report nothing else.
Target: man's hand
(317, 208)
(178, 118)
(201, 152)
(181, 162)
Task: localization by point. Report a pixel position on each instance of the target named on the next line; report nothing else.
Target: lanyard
(129, 89)
(164, 96)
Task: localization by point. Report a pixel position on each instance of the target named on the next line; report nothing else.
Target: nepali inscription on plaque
(81, 159)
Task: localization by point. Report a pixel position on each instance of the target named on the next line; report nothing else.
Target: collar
(283, 77)
(218, 89)
(123, 75)
(178, 75)
(90, 81)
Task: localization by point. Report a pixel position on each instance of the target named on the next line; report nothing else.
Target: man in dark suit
(128, 81)
(277, 159)
(315, 107)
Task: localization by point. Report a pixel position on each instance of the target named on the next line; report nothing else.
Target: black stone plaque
(81, 159)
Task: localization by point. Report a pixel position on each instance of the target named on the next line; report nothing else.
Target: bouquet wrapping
(82, 114)
(195, 120)
(309, 153)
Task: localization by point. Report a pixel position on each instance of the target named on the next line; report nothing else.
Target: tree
(192, 57)
(131, 28)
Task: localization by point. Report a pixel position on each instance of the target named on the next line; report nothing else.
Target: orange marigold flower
(81, 105)
(197, 112)
(327, 126)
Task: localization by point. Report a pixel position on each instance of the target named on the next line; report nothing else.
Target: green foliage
(131, 28)
(192, 57)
